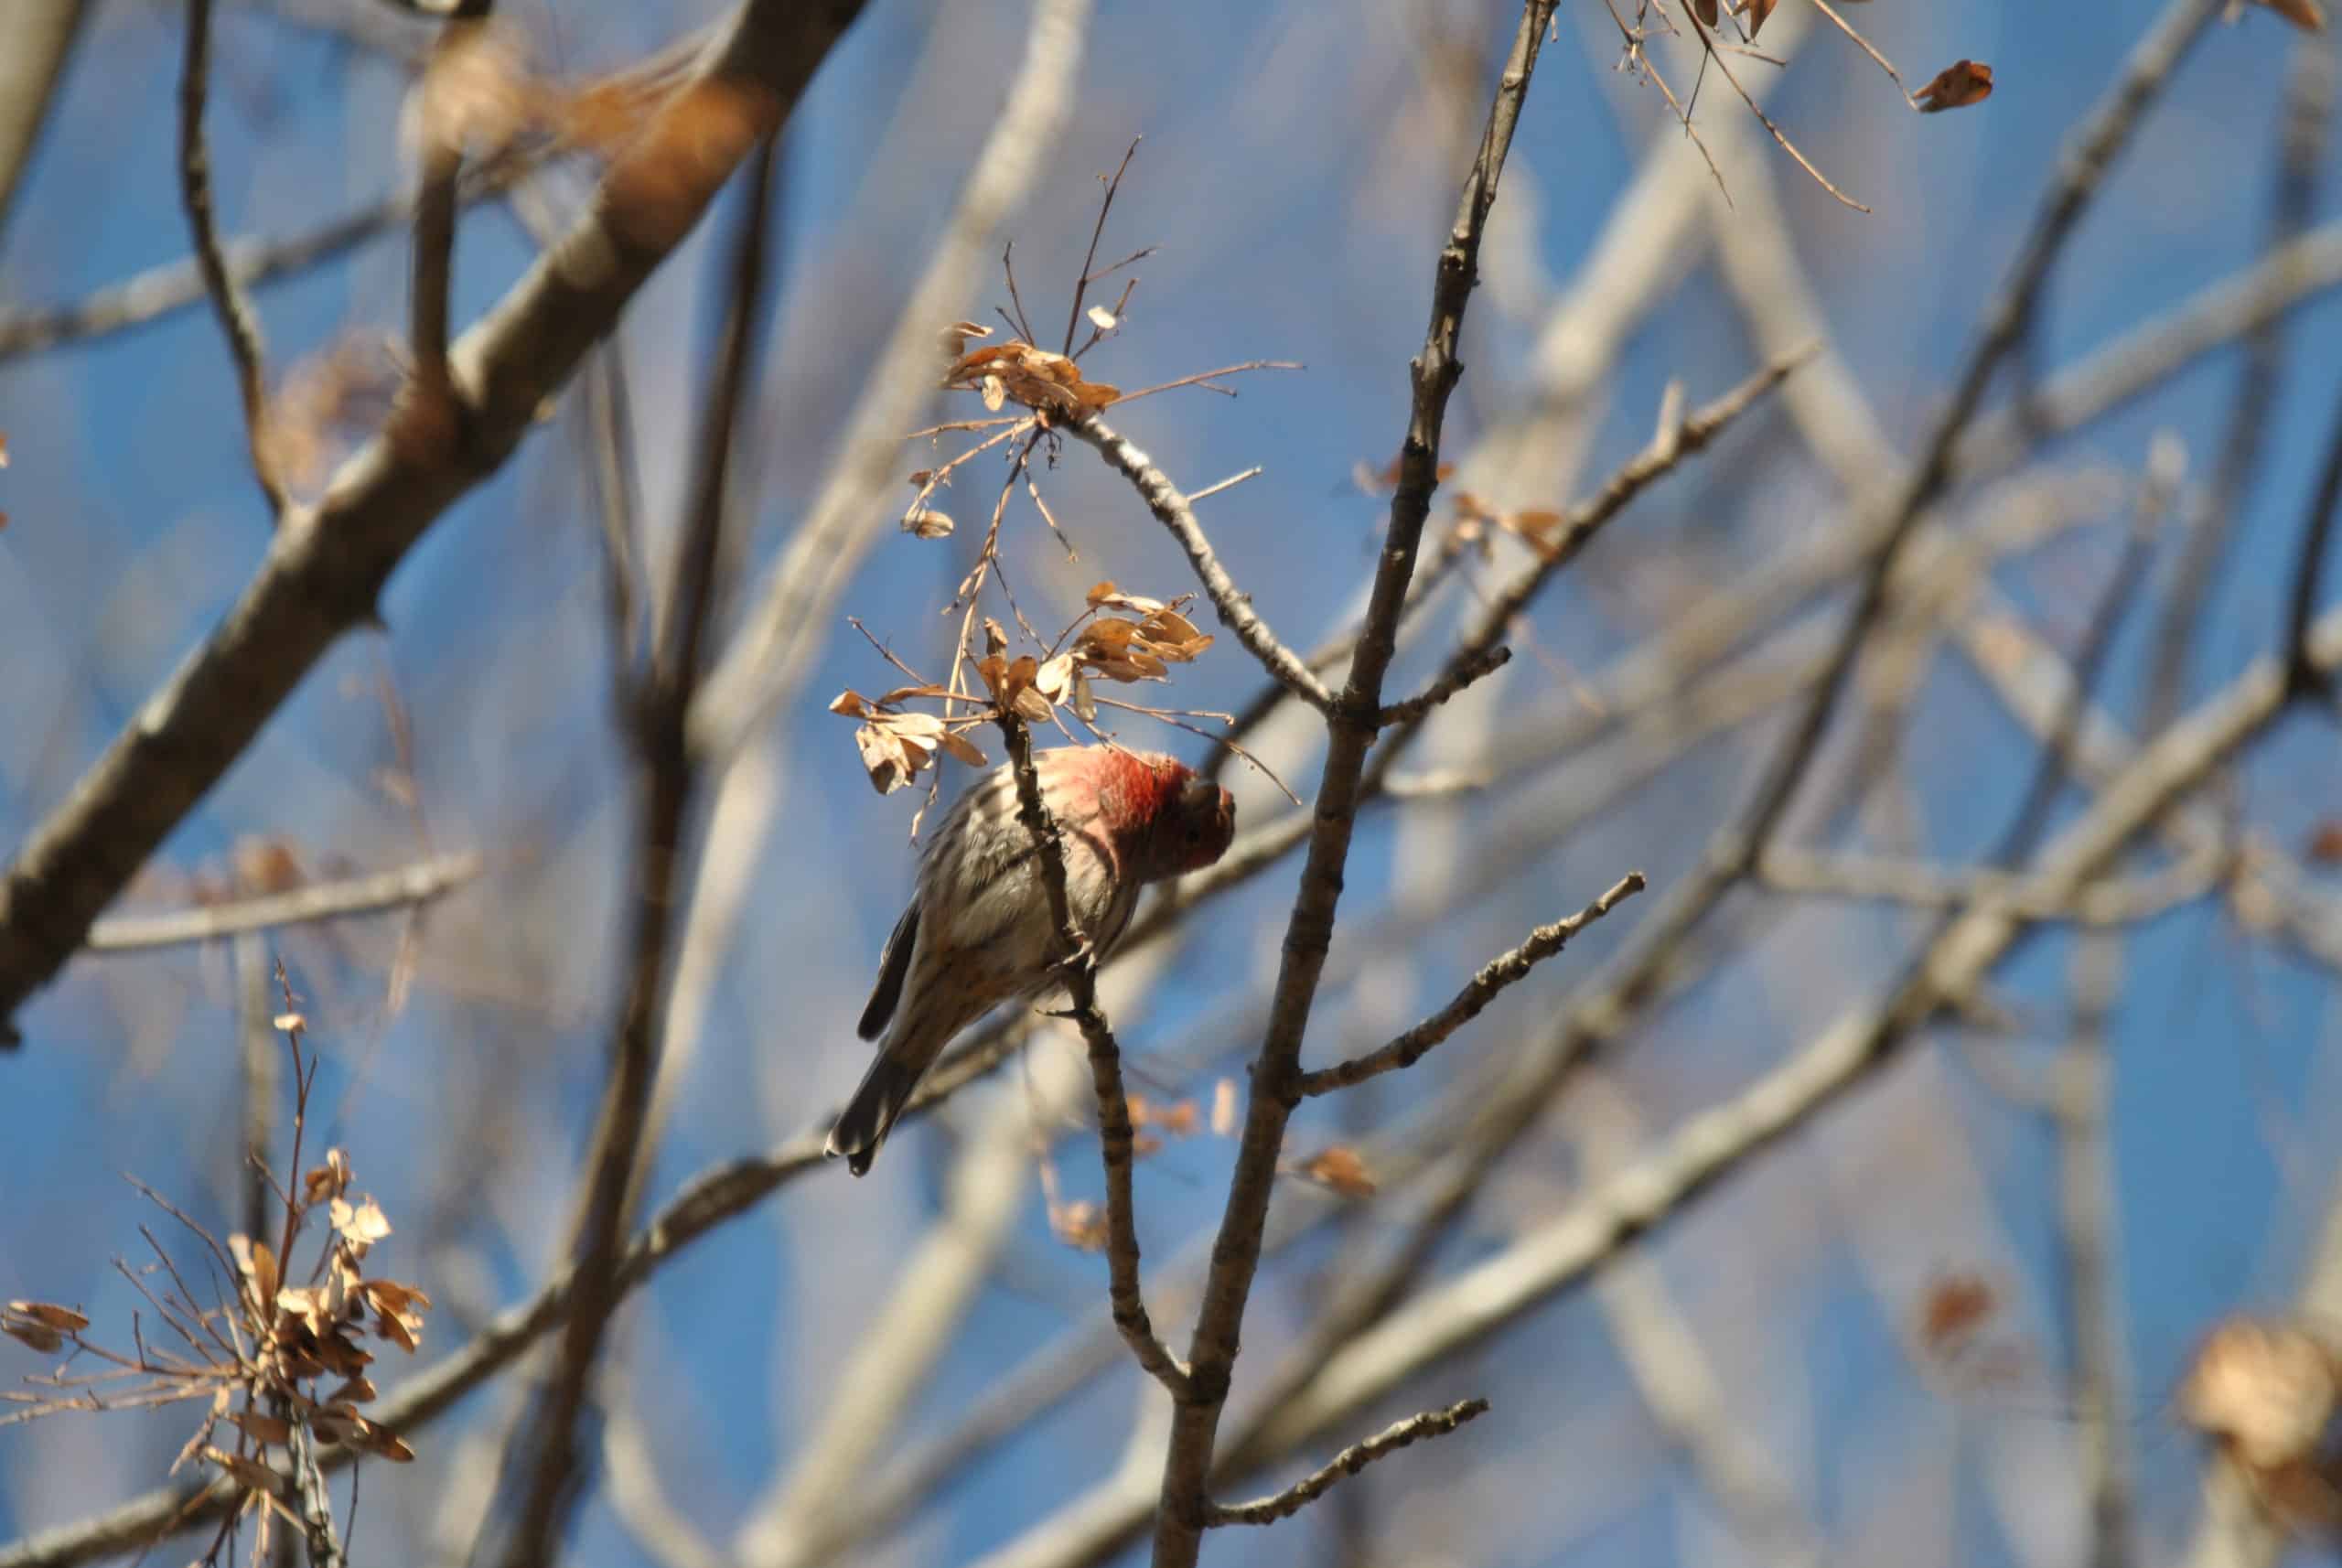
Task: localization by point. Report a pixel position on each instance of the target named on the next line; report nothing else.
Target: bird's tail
(870, 1115)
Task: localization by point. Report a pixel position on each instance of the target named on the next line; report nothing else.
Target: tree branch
(418, 884)
(1117, 1139)
(1183, 1510)
(325, 569)
(1465, 671)
(237, 321)
(660, 699)
(1493, 977)
(1234, 607)
(1348, 1462)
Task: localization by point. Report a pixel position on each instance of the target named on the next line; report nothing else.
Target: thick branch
(325, 570)
(1183, 1511)
(1494, 977)
(547, 1432)
(1117, 1139)
(1350, 1462)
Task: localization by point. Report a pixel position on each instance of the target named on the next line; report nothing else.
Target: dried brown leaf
(259, 1267)
(927, 523)
(362, 1224)
(1958, 85)
(852, 704)
(50, 1315)
(261, 1426)
(2269, 1389)
(884, 758)
(2326, 844)
(957, 743)
(1342, 1169)
(2306, 15)
(249, 1473)
(1080, 1224)
(35, 1336)
(1100, 316)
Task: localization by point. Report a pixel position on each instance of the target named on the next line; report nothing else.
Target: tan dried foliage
(1957, 86)
(2267, 1390)
(268, 1350)
(897, 745)
(1339, 1168)
(2306, 15)
(1048, 383)
(1223, 1108)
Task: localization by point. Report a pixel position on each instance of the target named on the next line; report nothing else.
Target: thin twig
(1465, 671)
(1493, 979)
(1117, 1138)
(237, 321)
(1348, 1462)
(1235, 607)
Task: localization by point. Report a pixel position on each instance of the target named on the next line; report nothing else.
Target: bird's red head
(1173, 821)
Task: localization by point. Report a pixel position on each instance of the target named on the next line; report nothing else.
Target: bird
(979, 931)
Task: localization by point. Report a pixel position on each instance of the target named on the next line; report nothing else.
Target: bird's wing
(892, 968)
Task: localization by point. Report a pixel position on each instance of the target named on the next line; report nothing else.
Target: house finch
(979, 933)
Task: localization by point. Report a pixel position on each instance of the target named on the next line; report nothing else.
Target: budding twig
(1348, 1462)
(1465, 672)
(1495, 976)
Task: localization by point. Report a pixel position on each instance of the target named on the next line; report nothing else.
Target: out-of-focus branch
(418, 884)
(541, 1450)
(252, 260)
(1233, 606)
(1675, 439)
(2309, 111)
(1117, 1139)
(2309, 564)
(1182, 1513)
(1692, 1159)
(1661, 1347)
(41, 40)
(324, 568)
(2109, 901)
(1348, 1462)
(1709, 1148)
(237, 321)
(2087, 1215)
(2082, 169)
(792, 614)
(1493, 977)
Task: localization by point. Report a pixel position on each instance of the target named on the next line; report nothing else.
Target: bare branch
(1467, 670)
(1493, 977)
(1182, 1513)
(546, 1432)
(1236, 613)
(1348, 1462)
(1116, 1137)
(418, 884)
(325, 569)
(237, 320)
